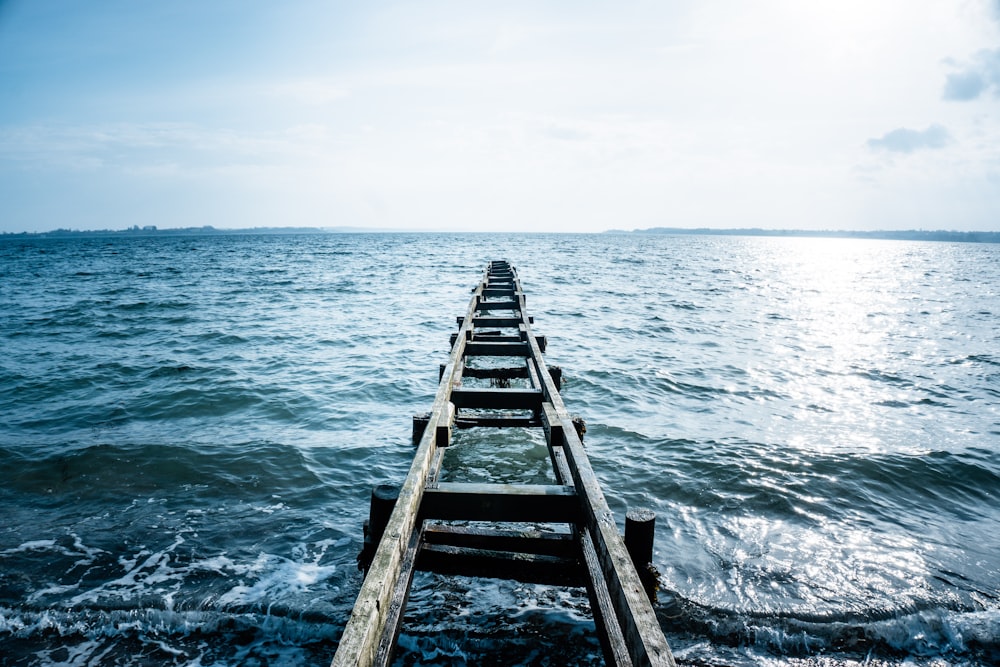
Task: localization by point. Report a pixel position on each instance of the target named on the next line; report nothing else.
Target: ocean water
(190, 428)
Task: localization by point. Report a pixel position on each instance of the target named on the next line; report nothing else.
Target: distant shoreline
(892, 235)
(889, 235)
(207, 230)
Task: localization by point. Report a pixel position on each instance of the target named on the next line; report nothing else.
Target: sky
(519, 116)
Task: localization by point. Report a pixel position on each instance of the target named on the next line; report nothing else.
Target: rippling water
(191, 428)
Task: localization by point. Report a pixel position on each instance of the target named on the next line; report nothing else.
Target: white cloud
(904, 140)
(975, 78)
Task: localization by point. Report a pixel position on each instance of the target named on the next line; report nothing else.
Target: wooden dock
(413, 527)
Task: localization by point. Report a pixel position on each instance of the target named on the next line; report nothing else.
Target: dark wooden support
(497, 373)
(527, 568)
(529, 541)
(497, 399)
(419, 426)
(383, 501)
(640, 528)
(487, 349)
(496, 292)
(556, 373)
(497, 305)
(507, 420)
(485, 322)
(501, 502)
(496, 337)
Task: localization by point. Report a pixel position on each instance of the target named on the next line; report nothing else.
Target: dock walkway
(411, 526)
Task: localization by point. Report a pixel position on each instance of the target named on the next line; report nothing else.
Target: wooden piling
(419, 426)
(383, 501)
(640, 529)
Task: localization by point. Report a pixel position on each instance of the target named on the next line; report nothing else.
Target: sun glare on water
(839, 313)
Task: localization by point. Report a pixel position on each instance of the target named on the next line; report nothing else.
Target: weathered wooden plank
(505, 373)
(487, 349)
(497, 399)
(493, 337)
(397, 602)
(508, 420)
(501, 502)
(497, 305)
(488, 322)
(602, 606)
(494, 291)
(498, 539)
(527, 568)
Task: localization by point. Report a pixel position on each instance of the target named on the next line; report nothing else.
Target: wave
(160, 636)
(961, 636)
(136, 468)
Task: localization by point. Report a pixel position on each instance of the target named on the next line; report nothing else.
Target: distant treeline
(896, 235)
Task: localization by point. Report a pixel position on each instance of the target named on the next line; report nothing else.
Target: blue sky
(537, 116)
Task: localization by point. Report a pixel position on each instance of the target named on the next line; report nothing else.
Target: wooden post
(419, 426)
(640, 527)
(556, 373)
(382, 503)
(384, 497)
(581, 427)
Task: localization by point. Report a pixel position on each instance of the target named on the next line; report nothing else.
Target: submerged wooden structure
(478, 529)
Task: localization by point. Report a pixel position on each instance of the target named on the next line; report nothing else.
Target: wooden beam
(507, 420)
(397, 603)
(617, 652)
(527, 568)
(499, 373)
(497, 399)
(496, 291)
(478, 349)
(486, 322)
(501, 502)
(497, 305)
(495, 337)
(497, 539)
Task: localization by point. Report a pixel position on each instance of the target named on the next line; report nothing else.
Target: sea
(191, 427)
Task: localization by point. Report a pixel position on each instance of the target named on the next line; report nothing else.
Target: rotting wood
(586, 550)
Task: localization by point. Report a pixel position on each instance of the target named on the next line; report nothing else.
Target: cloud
(974, 78)
(904, 140)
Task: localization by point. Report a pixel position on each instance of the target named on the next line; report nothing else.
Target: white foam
(34, 545)
(278, 577)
